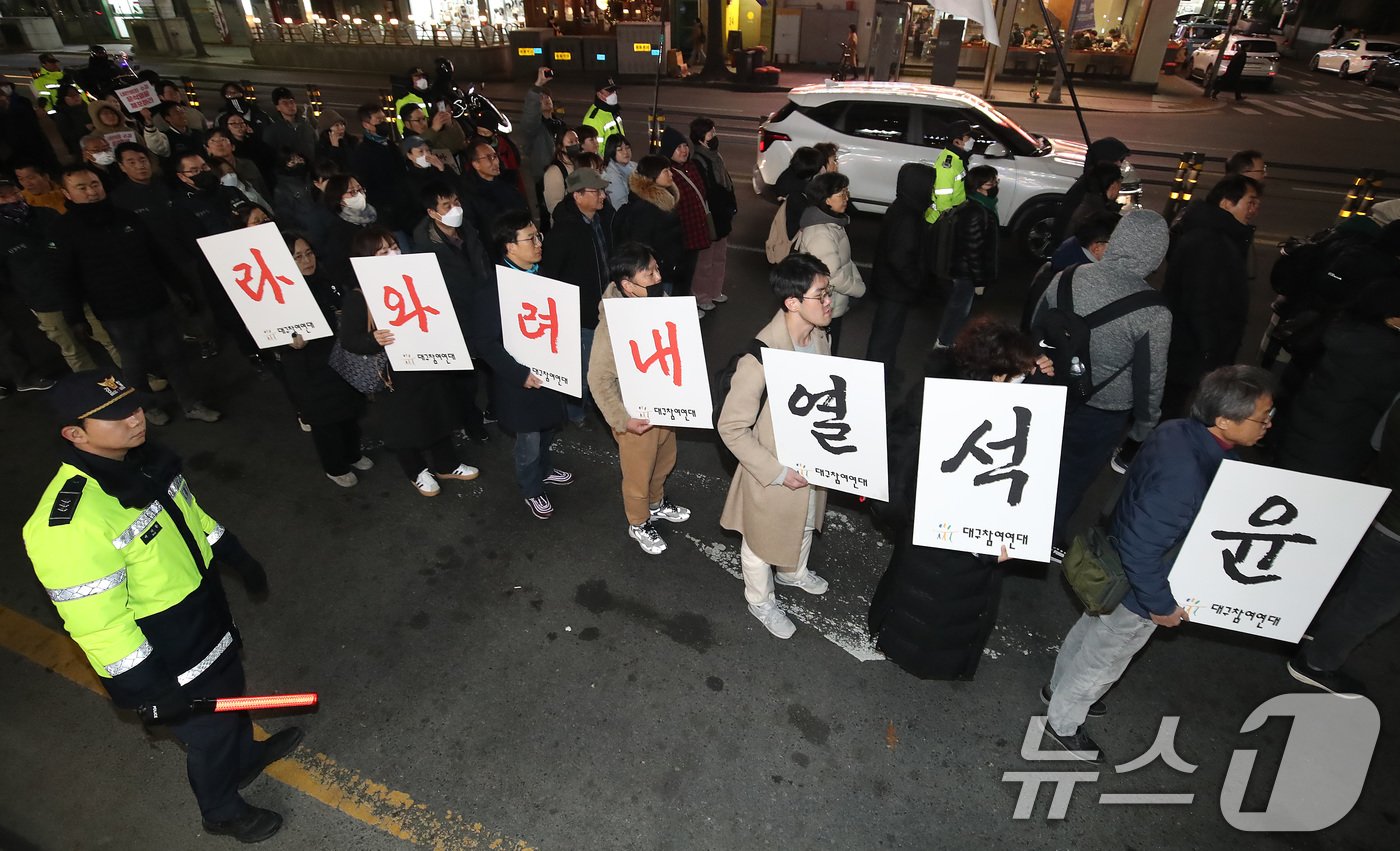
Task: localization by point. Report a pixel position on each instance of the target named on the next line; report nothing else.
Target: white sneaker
(810, 582)
(426, 484)
(721, 298)
(773, 619)
(363, 464)
(304, 426)
(345, 480)
(462, 473)
(670, 512)
(647, 538)
(707, 307)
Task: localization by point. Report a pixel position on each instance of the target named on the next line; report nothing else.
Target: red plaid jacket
(690, 183)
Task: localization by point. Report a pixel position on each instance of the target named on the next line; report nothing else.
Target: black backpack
(719, 388)
(1065, 334)
(1300, 265)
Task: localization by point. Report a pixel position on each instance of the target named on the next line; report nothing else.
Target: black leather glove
(169, 708)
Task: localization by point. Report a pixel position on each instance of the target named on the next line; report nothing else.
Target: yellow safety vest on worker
(606, 122)
(948, 189)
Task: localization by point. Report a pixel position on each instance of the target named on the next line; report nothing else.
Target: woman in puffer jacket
(823, 235)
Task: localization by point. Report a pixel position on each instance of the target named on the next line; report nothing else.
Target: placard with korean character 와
(407, 295)
(262, 281)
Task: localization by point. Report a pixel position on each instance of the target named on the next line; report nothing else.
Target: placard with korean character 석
(829, 420)
(989, 467)
(1266, 547)
(138, 97)
(540, 327)
(660, 360)
(263, 282)
(407, 295)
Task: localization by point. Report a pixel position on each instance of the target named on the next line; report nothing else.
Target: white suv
(881, 126)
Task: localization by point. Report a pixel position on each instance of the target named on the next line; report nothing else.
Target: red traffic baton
(205, 705)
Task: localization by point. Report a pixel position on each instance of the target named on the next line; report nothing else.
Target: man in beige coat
(647, 452)
(771, 505)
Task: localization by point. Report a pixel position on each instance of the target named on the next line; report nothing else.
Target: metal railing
(377, 31)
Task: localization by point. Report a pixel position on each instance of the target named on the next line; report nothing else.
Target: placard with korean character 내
(660, 360)
(1267, 546)
(989, 467)
(263, 282)
(138, 97)
(540, 327)
(407, 295)
(829, 420)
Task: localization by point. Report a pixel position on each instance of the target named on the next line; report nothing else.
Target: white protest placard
(116, 137)
(407, 295)
(263, 282)
(660, 360)
(138, 97)
(1266, 547)
(540, 327)
(989, 467)
(829, 420)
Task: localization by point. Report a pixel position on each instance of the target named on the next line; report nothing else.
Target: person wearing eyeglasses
(771, 505)
(1163, 492)
(489, 193)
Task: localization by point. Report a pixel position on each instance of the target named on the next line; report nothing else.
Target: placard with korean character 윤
(1266, 547)
(989, 467)
(407, 295)
(540, 327)
(829, 419)
(263, 282)
(660, 360)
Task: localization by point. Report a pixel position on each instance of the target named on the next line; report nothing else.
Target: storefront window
(921, 37)
(1100, 36)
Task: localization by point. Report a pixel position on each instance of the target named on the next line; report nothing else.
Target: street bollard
(313, 97)
(1188, 172)
(191, 93)
(1362, 194)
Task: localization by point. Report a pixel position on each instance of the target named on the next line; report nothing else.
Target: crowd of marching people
(103, 250)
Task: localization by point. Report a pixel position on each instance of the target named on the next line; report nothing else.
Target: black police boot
(276, 747)
(255, 825)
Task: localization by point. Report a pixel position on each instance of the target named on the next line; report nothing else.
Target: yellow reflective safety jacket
(411, 97)
(134, 585)
(948, 190)
(607, 122)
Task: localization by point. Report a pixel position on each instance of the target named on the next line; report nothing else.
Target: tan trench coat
(770, 517)
(602, 370)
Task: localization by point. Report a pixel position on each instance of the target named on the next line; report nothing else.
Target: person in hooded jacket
(1328, 428)
(823, 235)
(712, 264)
(973, 265)
(650, 216)
(1207, 286)
(934, 609)
(1127, 356)
(692, 205)
(1105, 150)
(901, 274)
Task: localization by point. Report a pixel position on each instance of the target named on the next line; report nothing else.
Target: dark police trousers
(219, 748)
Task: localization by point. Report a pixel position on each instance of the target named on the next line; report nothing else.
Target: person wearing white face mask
(417, 90)
(98, 154)
(604, 115)
(466, 269)
(423, 167)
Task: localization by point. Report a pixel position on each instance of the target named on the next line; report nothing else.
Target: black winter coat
(1207, 289)
(112, 261)
(572, 255)
(380, 170)
(1105, 150)
(465, 268)
(650, 217)
(320, 395)
(976, 232)
(517, 409)
(934, 609)
(902, 271)
(333, 254)
(30, 263)
(420, 410)
(1329, 426)
(484, 200)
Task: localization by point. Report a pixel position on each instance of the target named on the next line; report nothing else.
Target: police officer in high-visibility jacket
(418, 89)
(127, 556)
(604, 115)
(950, 167)
(47, 81)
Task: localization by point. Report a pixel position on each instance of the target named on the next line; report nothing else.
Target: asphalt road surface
(488, 680)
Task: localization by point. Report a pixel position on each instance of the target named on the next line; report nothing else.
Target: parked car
(1261, 64)
(881, 126)
(1385, 71)
(1351, 57)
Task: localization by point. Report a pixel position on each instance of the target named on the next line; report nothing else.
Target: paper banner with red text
(263, 282)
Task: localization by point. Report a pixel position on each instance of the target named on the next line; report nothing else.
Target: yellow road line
(315, 775)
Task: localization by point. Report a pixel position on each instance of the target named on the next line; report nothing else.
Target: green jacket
(605, 122)
(46, 87)
(948, 189)
(411, 97)
(133, 585)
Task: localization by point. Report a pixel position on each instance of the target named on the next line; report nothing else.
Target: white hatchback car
(881, 126)
(1260, 62)
(1351, 57)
